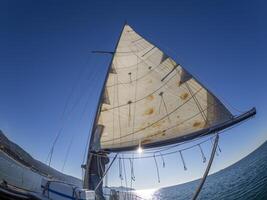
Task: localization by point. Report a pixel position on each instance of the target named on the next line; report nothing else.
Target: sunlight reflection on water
(146, 194)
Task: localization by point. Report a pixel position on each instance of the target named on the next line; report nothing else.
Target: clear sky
(45, 64)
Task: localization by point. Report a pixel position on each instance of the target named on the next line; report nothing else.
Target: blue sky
(45, 56)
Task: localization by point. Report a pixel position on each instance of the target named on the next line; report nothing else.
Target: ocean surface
(246, 179)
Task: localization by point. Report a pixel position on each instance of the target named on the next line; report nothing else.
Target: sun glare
(140, 150)
(146, 194)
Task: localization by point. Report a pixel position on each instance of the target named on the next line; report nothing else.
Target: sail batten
(149, 98)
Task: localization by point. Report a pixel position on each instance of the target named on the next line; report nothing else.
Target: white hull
(22, 182)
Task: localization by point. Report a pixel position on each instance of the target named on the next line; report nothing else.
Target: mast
(97, 112)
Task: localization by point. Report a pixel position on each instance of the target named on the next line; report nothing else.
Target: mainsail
(149, 98)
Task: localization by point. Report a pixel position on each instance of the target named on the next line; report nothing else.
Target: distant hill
(19, 154)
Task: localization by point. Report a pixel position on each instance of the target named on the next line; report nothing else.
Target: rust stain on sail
(150, 97)
(104, 109)
(184, 96)
(149, 111)
(197, 124)
(158, 124)
(146, 141)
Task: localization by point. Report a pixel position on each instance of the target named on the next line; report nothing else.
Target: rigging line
(97, 113)
(67, 154)
(53, 146)
(141, 46)
(209, 139)
(125, 174)
(88, 135)
(113, 112)
(142, 61)
(157, 168)
(94, 77)
(219, 148)
(123, 67)
(182, 158)
(228, 103)
(180, 59)
(101, 180)
(160, 103)
(78, 78)
(155, 121)
(197, 103)
(202, 154)
(219, 97)
(149, 51)
(136, 101)
(132, 169)
(185, 142)
(118, 108)
(174, 68)
(129, 113)
(98, 166)
(162, 158)
(230, 128)
(190, 147)
(132, 173)
(224, 112)
(138, 78)
(172, 152)
(157, 149)
(169, 127)
(166, 110)
(207, 100)
(137, 40)
(130, 76)
(165, 83)
(135, 95)
(120, 169)
(165, 129)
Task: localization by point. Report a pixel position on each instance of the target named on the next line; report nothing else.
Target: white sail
(149, 98)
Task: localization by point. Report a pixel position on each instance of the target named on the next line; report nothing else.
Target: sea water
(245, 180)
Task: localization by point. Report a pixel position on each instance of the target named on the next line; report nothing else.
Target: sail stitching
(165, 129)
(160, 118)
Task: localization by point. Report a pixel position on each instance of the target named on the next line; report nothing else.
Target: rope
(202, 154)
(183, 149)
(63, 118)
(168, 153)
(67, 154)
(220, 97)
(197, 103)
(125, 176)
(132, 170)
(155, 121)
(135, 96)
(182, 158)
(163, 161)
(120, 169)
(157, 168)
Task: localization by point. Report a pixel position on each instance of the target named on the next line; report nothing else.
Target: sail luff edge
(97, 112)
